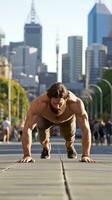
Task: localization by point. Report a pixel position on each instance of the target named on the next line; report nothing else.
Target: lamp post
(18, 106)
(101, 97)
(9, 93)
(110, 86)
(9, 84)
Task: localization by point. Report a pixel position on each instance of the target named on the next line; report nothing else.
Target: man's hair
(57, 90)
(5, 117)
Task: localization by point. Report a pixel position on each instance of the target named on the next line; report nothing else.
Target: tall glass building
(65, 68)
(33, 32)
(107, 41)
(99, 23)
(95, 62)
(75, 58)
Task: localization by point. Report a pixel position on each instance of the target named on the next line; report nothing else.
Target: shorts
(67, 129)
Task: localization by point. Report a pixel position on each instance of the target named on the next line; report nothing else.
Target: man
(108, 131)
(6, 129)
(61, 107)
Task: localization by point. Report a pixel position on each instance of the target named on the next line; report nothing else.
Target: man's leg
(5, 135)
(44, 136)
(67, 130)
(7, 138)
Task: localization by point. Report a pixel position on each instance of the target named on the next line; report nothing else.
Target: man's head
(5, 118)
(58, 95)
(57, 90)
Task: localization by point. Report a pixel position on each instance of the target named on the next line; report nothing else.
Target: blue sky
(62, 17)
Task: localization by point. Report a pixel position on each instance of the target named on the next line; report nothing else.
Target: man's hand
(26, 159)
(87, 159)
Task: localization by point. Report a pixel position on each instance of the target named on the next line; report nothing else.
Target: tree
(106, 92)
(19, 100)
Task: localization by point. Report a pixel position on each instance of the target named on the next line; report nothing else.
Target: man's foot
(71, 153)
(46, 153)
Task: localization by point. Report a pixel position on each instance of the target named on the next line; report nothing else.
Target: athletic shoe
(45, 153)
(71, 153)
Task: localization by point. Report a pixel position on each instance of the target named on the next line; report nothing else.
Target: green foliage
(19, 100)
(107, 75)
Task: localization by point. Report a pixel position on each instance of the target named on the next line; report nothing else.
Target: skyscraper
(33, 32)
(95, 62)
(107, 41)
(99, 23)
(24, 61)
(75, 56)
(65, 68)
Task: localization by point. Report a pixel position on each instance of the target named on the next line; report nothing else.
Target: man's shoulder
(73, 98)
(76, 104)
(42, 98)
(40, 102)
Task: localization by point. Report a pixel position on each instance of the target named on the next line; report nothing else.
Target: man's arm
(83, 122)
(30, 123)
(27, 139)
(86, 134)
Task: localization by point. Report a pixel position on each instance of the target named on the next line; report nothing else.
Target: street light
(18, 104)
(9, 93)
(110, 86)
(9, 84)
(101, 97)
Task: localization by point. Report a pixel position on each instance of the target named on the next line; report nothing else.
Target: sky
(59, 18)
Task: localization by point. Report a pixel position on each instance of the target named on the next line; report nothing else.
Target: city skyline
(57, 18)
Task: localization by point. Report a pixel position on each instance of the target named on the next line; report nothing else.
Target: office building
(95, 62)
(107, 41)
(33, 32)
(75, 56)
(45, 80)
(99, 23)
(14, 45)
(24, 61)
(65, 68)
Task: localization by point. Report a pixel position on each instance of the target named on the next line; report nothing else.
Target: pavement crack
(7, 168)
(65, 182)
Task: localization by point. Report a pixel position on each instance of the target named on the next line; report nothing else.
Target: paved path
(56, 179)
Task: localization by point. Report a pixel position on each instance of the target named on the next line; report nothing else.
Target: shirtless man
(61, 107)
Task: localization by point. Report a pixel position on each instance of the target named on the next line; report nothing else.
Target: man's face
(57, 103)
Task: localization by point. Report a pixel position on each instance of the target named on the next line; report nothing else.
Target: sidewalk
(58, 178)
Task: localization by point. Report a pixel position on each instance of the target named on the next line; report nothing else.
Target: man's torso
(43, 109)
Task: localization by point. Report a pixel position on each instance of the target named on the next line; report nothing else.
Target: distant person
(92, 129)
(96, 132)
(101, 132)
(6, 124)
(108, 131)
(57, 106)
